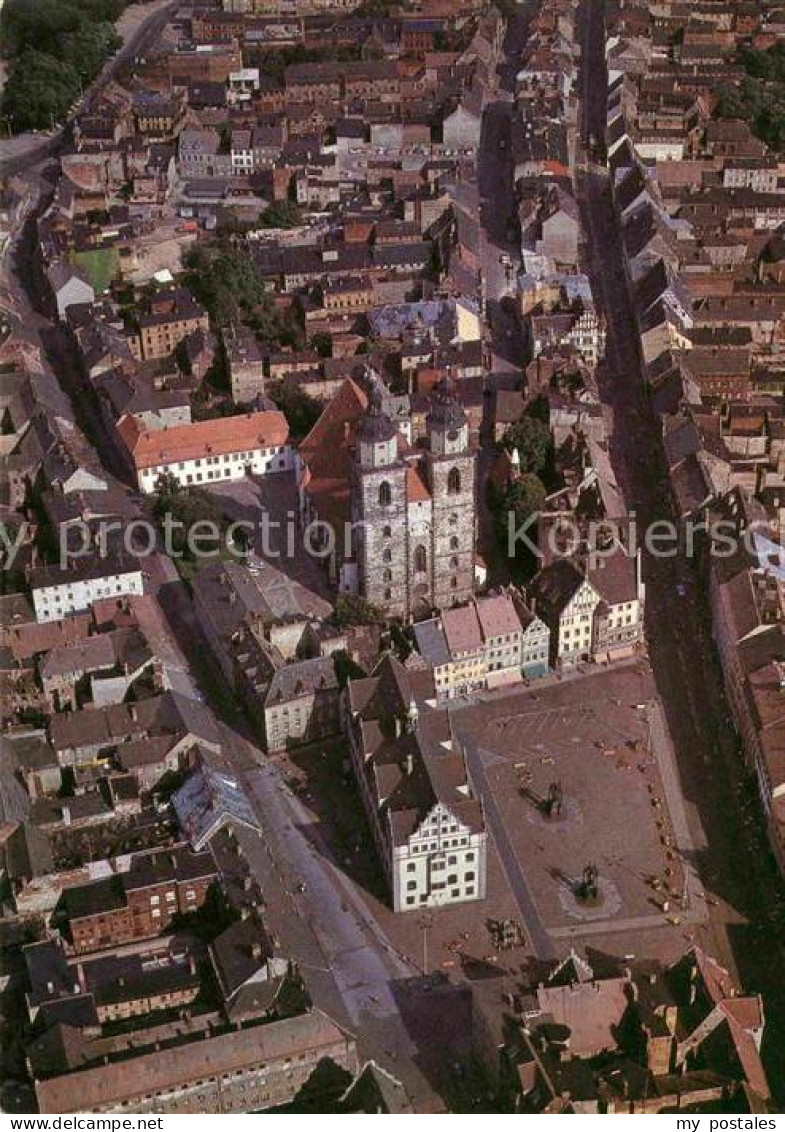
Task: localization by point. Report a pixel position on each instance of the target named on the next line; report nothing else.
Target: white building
(226, 448)
(428, 826)
(59, 591)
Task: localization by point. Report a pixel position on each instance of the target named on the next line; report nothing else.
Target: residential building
(58, 591)
(248, 1069)
(594, 609)
(173, 315)
(301, 705)
(69, 286)
(483, 645)
(139, 903)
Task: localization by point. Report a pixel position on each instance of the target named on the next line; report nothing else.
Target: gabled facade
(428, 828)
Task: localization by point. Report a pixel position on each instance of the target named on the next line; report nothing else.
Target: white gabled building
(202, 452)
(593, 610)
(428, 826)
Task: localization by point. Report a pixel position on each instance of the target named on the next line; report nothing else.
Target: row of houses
(700, 201)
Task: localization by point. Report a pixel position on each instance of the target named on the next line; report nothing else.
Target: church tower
(379, 513)
(451, 478)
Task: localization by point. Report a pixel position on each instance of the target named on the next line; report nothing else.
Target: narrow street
(506, 347)
(732, 857)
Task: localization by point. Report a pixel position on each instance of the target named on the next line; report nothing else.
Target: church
(411, 507)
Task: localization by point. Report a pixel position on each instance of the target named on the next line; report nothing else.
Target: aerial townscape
(392, 629)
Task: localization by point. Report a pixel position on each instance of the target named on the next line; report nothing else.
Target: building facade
(414, 519)
(428, 827)
(225, 448)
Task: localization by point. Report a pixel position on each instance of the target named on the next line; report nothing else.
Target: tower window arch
(387, 532)
(420, 560)
(385, 494)
(453, 482)
(387, 576)
(387, 556)
(454, 543)
(453, 563)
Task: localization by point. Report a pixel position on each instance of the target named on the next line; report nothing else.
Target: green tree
(323, 344)
(351, 609)
(39, 91)
(532, 438)
(301, 411)
(55, 48)
(282, 214)
(525, 496)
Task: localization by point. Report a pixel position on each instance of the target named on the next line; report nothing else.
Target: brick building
(140, 903)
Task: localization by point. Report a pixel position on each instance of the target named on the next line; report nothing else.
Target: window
(387, 556)
(387, 532)
(411, 885)
(453, 482)
(387, 576)
(454, 542)
(387, 595)
(420, 559)
(385, 494)
(469, 876)
(453, 563)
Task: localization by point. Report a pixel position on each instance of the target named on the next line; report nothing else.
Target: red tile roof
(224, 435)
(417, 490)
(326, 452)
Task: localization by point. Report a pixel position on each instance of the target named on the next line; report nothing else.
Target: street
(139, 27)
(731, 858)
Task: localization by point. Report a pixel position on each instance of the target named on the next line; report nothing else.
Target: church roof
(326, 452)
(445, 412)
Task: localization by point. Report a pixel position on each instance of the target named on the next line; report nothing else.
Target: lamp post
(424, 923)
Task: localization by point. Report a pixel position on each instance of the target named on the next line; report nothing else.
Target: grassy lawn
(99, 265)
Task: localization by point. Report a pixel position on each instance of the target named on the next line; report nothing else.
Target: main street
(731, 857)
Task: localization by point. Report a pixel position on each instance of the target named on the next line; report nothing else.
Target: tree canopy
(532, 438)
(351, 609)
(55, 48)
(228, 282)
(760, 96)
(282, 214)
